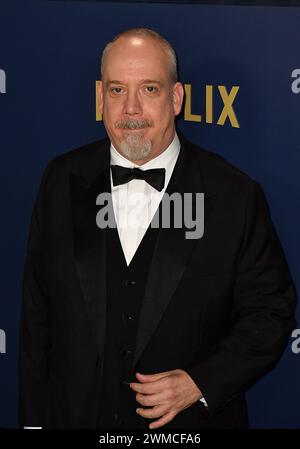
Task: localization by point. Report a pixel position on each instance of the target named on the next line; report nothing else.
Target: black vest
(125, 289)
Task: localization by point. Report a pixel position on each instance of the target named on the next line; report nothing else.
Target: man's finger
(151, 377)
(162, 421)
(154, 412)
(148, 388)
(150, 400)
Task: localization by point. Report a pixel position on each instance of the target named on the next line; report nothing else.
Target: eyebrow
(147, 81)
(113, 82)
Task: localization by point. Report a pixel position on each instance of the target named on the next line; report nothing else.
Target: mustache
(134, 124)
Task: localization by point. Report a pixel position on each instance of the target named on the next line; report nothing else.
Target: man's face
(138, 100)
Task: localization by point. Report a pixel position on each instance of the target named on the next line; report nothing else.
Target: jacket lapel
(172, 249)
(90, 240)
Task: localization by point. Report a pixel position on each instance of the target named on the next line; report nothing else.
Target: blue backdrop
(49, 63)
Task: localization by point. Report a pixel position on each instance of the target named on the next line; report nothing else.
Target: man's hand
(168, 392)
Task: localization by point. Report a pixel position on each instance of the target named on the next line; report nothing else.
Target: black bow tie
(154, 176)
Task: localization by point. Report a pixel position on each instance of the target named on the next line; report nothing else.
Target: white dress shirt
(136, 202)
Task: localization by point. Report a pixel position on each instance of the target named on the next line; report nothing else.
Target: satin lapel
(171, 252)
(90, 248)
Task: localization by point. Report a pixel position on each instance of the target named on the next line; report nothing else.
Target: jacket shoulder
(218, 172)
(85, 161)
(81, 154)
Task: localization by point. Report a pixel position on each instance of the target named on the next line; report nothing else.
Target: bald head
(138, 37)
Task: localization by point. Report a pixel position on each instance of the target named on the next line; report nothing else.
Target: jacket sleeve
(34, 334)
(264, 299)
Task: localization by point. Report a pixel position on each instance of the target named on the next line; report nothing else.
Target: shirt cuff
(204, 402)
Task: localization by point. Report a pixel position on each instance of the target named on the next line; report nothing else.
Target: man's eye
(151, 89)
(116, 90)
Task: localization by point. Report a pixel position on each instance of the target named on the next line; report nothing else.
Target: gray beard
(135, 148)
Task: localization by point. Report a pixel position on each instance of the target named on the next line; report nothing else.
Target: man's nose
(132, 105)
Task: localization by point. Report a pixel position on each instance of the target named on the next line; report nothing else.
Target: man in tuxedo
(134, 325)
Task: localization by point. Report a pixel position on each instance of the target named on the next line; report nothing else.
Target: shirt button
(129, 283)
(116, 416)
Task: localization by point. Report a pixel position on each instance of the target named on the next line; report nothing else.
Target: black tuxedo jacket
(220, 307)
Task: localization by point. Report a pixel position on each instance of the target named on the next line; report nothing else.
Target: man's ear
(178, 95)
(100, 96)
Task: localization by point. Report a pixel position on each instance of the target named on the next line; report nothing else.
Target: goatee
(135, 147)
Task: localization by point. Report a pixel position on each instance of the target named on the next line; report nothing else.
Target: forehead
(136, 57)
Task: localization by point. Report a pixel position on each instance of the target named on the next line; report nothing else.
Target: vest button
(127, 317)
(125, 383)
(125, 351)
(129, 283)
